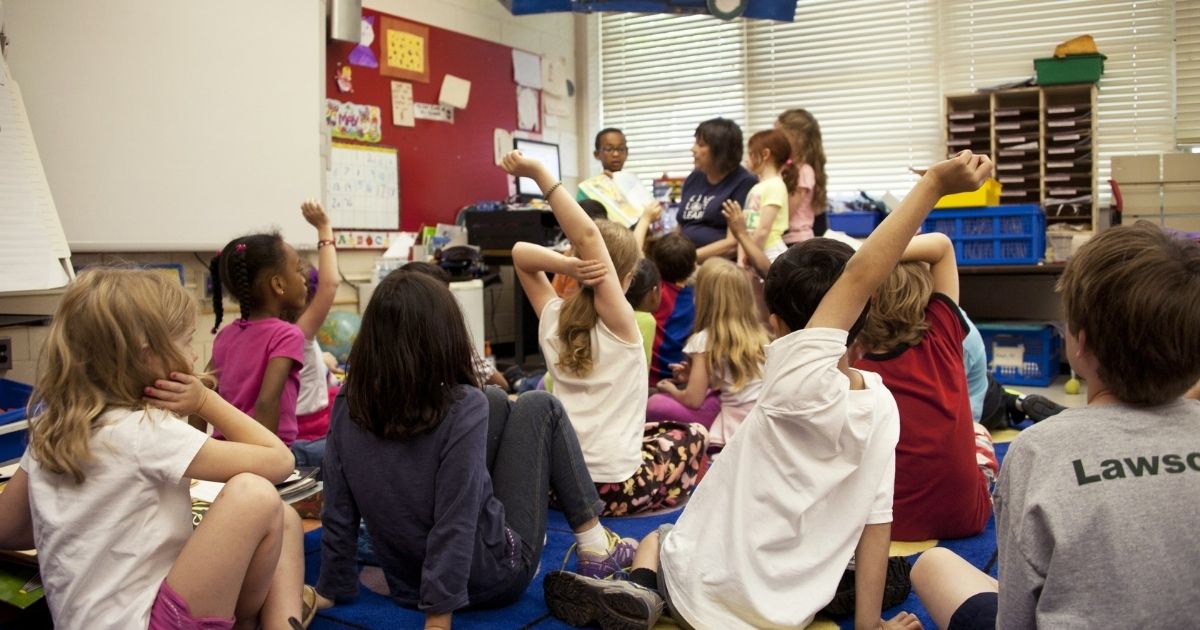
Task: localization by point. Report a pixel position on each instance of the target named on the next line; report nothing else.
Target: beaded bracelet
(323, 242)
(556, 186)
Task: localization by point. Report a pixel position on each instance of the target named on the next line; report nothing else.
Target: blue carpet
(375, 611)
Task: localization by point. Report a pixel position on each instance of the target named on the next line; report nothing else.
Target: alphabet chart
(363, 187)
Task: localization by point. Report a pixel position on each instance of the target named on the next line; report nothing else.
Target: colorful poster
(404, 49)
(362, 55)
(351, 121)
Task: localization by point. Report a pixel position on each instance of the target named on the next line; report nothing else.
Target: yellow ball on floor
(1072, 386)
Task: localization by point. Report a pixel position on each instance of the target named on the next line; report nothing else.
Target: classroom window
(874, 74)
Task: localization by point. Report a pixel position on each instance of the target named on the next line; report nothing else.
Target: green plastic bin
(1070, 69)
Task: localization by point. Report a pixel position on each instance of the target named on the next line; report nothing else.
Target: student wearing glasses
(613, 191)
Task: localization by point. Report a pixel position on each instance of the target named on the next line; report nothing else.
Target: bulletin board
(443, 165)
(363, 187)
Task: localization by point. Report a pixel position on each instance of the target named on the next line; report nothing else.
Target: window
(1187, 72)
(874, 74)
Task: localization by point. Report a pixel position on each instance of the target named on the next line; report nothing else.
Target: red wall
(443, 166)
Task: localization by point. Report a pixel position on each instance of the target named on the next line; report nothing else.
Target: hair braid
(214, 272)
(241, 282)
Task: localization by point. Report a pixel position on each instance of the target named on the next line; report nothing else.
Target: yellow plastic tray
(987, 195)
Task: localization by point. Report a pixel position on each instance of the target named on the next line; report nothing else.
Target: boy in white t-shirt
(806, 483)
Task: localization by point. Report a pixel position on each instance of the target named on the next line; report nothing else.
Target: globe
(337, 334)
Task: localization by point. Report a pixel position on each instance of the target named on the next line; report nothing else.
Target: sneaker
(896, 587)
(613, 604)
(615, 561)
(1037, 407)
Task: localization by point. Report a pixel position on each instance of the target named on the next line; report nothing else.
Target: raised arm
(936, 249)
(650, 214)
(327, 270)
(614, 310)
(872, 263)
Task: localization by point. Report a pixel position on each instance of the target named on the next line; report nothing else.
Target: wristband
(325, 241)
(556, 186)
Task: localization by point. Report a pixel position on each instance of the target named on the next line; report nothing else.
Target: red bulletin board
(443, 166)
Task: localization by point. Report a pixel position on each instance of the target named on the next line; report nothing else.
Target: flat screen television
(544, 152)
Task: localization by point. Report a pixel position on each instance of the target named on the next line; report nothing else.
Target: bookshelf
(1042, 140)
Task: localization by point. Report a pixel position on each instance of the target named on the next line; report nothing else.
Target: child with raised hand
(816, 454)
(769, 155)
(313, 399)
(594, 351)
(724, 354)
(1095, 506)
(914, 340)
(452, 481)
(103, 490)
(257, 358)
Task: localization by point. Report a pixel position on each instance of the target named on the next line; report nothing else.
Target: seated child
(452, 481)
(914, 341)
(593, 349)
(725, 354)
(806, 484)
(643, 295)
(564, 285)
(316, 391)
(675, 257)
(103, 490)
(1095, 506)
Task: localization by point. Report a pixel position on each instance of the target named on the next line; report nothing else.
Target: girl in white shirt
(103, 491)
(594, 352)
(726, 353)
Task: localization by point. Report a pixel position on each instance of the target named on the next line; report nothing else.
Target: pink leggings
(663, 407)
(170, 612)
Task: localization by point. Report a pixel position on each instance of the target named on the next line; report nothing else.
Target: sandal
(308, 608)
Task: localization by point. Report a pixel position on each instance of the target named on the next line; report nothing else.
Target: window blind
(1187, 72)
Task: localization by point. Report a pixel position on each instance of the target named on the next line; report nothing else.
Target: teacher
(719, 176)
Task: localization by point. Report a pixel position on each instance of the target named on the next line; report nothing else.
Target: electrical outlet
(5, 353)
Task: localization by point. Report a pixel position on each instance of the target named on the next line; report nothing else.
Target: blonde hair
(898, 311)
(726, 311)
(578, 317)
(109, 322)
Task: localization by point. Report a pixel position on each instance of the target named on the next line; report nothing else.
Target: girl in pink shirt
(806, 203)
(257, 358)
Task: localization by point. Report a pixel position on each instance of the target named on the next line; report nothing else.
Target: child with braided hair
(257, 358)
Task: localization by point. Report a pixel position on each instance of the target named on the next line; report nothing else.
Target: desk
(1011, 291)
(525, 321)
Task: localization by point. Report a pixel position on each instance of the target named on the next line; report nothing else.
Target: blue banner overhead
(781, 10)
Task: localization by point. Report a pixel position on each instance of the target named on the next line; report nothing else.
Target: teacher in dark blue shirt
(719, 176)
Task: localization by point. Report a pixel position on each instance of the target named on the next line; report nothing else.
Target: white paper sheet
(556, 105)
(502, 143)
(527, 109)
(527, 69)
(433, 111)
(554, 76)
(402, 104)
(456, 91)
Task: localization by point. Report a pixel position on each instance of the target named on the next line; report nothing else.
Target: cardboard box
(1135, 169)
(1181, 167)
(1181, 198)
(1141, 198)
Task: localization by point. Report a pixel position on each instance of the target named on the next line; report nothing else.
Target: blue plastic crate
(1021, 353)
(855, 223)
(13, 396)
(996, 235)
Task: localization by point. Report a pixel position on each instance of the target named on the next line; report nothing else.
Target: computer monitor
(544, 152)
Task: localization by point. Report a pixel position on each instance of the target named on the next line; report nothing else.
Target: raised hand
(734, 218)
(964, 172)
(515, 163)
(652, 212)
(183, 394)
(314, 213)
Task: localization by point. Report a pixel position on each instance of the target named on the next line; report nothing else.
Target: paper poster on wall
(362, 55)
(502, 143)
(351, 121)
(556, 105)
(433, 111)
(404, 50)
(527, 109)
(366, 240)
(527, 69)
(402, 104)
(363, 187)
(554, 76)
(456, 91)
